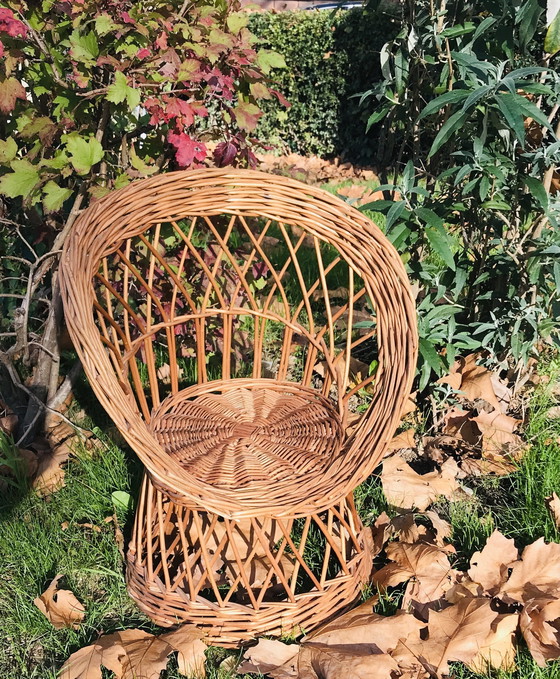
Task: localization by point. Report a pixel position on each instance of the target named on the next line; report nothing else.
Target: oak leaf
(403, 487)
(489, 567)
(60, 606)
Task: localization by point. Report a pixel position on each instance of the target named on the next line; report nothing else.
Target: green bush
(330, 58)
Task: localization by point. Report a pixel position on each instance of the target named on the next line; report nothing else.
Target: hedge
(330, 56)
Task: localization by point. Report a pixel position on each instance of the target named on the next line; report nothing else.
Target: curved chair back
(190, 277)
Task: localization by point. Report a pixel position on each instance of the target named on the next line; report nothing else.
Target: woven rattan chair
(254, 340)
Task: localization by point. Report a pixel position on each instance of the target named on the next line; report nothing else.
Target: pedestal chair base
(248, 578)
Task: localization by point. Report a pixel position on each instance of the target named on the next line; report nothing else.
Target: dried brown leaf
(187, 640)
(498, 651)
(459, 423)
(60, 606)
(540, 625)
(319, 661)
(403, 440)
(477, 382)
(50, 474)
(86, 663)
(553, 504)
(537, 574)
(457, 633)
(490, 566)
(145, 654)
(425, 565)
(403, 487)
(275, 658)
(498, 433)
(365, 630)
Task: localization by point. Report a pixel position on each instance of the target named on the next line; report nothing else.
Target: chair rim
(101, 228)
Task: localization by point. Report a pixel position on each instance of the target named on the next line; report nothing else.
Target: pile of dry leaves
(473, 437)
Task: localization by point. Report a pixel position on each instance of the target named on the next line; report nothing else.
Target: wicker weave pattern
(115, 262)
(243, 579)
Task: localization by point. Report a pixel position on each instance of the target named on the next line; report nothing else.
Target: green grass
(40, 538)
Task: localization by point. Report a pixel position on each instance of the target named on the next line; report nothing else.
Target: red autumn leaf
(10, 25)
(10, 90)
(188, 149)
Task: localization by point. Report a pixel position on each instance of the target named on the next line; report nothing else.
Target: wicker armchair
(253, 339)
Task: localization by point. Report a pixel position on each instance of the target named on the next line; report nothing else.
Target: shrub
(330, 57)
(93, 95)
(471, 100)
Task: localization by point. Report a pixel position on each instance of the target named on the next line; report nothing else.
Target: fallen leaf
(553, 413)
(553, 504)
(497, 433)
(476, 381)
(87, 662)
(187, 640)
(8, 423)
(460, 424)
(484, 466)
(540, 625)
(536, 575)
(60, 606)
(50, 474)
(426, 566)
(498, 651)
(318, 661)
(365, 630)
(403, 487)
(145, 654)
(457, 633)
(275, 658)
(403, 440)
(490, 567)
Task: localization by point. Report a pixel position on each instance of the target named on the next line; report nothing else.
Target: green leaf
(104, 24)
(121, 499)
(267, 60)
(394, 213)
(84, 48)
(451, 125)
(54, 196)
(429, 354)
(21, 181)
(536, 189)
(84, 153)
(236, 21)
(552, 38)
(438, 103)
(8, 150)
(439, 241)
(510, 109)
(120, 91)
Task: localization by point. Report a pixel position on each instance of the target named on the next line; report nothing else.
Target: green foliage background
(331, 57)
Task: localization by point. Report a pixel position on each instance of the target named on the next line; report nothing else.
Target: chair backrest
(196, 276)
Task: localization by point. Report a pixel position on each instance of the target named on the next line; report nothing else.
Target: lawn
(72, 533)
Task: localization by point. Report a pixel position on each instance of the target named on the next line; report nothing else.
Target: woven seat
(250, 435)
(254, 340)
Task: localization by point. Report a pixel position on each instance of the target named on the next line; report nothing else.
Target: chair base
(243, 579)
